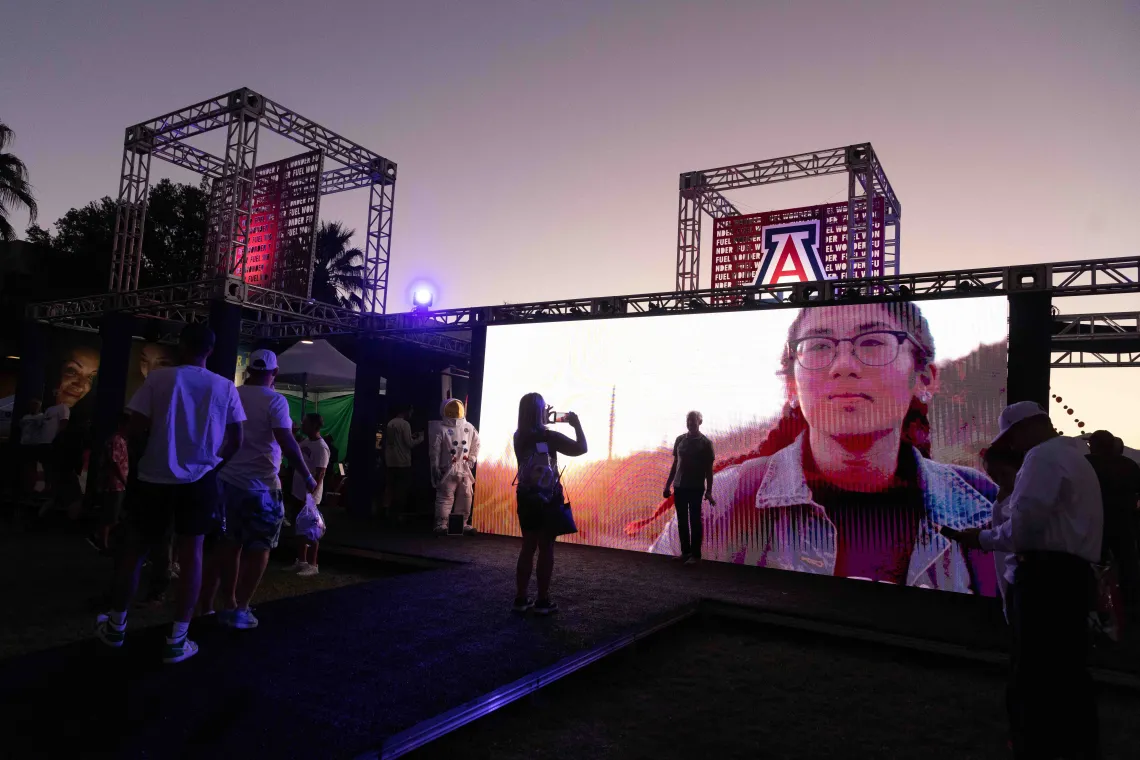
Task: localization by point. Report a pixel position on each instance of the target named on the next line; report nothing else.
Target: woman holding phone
(534, 442)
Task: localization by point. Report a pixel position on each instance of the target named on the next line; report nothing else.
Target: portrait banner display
(71, 377)
(71, 380)
(843, 435)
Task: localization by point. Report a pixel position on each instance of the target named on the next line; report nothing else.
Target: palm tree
(15, 189)
(338, 271)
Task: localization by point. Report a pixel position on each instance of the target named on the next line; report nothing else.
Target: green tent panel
(337, 413)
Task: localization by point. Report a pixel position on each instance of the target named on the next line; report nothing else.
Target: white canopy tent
(314, 370)
(316, 367)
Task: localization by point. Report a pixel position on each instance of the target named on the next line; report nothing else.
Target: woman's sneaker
(241, 619)
(545, 607)
(297, 566)
(308, 571)
(522, 605)
(178, 650)
(109, 633)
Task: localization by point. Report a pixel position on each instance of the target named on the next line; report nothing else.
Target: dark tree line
(79, 257)
(75, 259)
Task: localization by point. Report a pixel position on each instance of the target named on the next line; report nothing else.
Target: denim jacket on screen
(766, 516)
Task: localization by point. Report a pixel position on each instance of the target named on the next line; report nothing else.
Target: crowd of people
(206, 488)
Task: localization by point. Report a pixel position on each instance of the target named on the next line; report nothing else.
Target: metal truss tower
(243, 113)
(701, 192)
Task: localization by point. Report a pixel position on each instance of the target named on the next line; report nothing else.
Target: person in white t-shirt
(194, 418)
(54, 423)
(315, 455)
(251, 492)
(28, 428)
(39, 431)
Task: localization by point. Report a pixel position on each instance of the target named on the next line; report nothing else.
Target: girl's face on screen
(77, 376)
(854, 370)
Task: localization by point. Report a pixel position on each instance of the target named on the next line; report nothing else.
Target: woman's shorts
(533, 515)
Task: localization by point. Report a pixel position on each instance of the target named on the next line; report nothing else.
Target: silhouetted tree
(338, 271)
(15, 190)
(173, 243)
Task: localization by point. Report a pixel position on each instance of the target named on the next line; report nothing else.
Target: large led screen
(843, 435)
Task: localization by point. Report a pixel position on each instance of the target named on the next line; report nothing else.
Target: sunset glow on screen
(838, 382)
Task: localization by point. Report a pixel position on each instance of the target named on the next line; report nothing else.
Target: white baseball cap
(263, 360)
(1015, 413)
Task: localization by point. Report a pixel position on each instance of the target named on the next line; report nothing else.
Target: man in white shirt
(39, 431)
(28, 428)
(398, 444)
(1054, 529)
(315, 455)
(194, 418)
(252, 491)
(54, 423)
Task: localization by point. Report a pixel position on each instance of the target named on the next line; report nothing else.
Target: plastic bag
(1106, 619)
(310, 523)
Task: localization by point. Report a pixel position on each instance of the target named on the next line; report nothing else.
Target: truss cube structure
(243, 114)
(702, 192)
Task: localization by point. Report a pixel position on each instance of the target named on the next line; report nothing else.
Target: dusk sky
(540, 143)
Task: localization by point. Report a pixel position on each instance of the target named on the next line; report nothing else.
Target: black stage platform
(341, 673)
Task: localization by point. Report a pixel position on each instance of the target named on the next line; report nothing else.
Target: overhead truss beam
(1074, 359)
(279, 315)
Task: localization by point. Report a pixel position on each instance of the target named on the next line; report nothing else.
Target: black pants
(399, 489)
(688, 504)
(1052, 709)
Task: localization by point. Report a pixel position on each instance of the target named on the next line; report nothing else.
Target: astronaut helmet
(452, 410)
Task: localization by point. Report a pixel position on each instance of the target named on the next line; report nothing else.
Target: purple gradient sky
(539, 143)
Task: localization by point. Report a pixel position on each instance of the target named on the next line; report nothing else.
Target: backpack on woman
(540, 487)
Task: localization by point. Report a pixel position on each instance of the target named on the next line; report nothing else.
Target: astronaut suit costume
(453, 453)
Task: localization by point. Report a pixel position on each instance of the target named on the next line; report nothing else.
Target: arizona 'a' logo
(791, 253)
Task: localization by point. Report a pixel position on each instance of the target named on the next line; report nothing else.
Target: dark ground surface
(334, 673)
(71, 581)
(722, 689)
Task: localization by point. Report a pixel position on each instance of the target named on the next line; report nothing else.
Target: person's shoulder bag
(540, 483)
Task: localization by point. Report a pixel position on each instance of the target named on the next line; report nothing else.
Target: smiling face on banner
(77, 374)
(153, 356)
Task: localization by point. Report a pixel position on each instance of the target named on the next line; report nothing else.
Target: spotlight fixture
(307, 342)
(423, 298)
